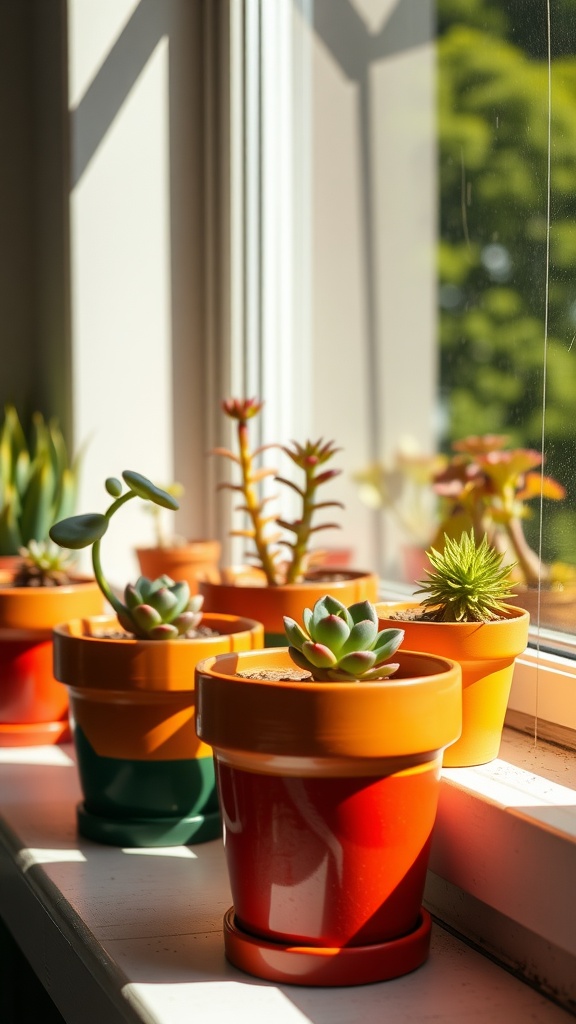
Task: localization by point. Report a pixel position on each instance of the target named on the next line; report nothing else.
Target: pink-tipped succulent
(265, 530)
(342, 644)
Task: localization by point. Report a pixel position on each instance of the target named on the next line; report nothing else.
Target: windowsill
(504, 861)
(136, 935)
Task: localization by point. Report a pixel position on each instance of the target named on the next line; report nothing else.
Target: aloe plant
(38, 481)
(152, 609)
(342, 644)
(467, 583)
(265, 530)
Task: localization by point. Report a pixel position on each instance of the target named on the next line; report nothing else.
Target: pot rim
(270, 720)
(125, 663)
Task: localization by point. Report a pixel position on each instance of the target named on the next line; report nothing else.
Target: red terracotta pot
(33, 705)
(328, 794)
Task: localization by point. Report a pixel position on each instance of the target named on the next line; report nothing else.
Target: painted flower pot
(249, 595)
(147, 780)
(328, 794)
(191, 562)
(486, 653)
(33, 705)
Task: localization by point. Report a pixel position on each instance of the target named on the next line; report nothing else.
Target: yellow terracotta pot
(191, 562)
(33, 705)
(486, 653)
(269, 605)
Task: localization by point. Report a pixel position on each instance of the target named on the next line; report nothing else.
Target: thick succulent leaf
(165, 603)
(357, 663)
(113, 486)
(387, 643)
(164, 631)
(79, 531)
(144, 488)
(307, 618)
(186, 621)
(132, 596)
(299, 660)
(332, 631)
(362, 611)
(145, 617)
(325, 606)
(294, 633)
(381, 672)
(10, 536)
(361, 638)
(180, 592)
(318, 655)
(37, 504)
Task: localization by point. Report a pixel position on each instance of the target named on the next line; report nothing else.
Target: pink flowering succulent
(485, 487)
(269, 532)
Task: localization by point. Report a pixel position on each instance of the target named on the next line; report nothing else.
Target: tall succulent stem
(105, 587)
(253, 505)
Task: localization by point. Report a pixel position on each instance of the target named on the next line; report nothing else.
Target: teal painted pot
(147, 779)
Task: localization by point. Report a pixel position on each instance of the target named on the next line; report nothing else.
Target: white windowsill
(504, 861)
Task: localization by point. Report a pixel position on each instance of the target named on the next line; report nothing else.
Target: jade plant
(267, 531)
(468, 582)
(152, 609)
(37, 480)
(342, 644)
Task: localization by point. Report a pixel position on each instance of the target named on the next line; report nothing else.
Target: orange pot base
(320, 966)
(34, 734)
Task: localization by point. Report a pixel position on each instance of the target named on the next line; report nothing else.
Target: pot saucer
(317, 965)
(148, 832)
(33, 734)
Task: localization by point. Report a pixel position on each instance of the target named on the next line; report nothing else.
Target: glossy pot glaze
(328, 793)
(486, 653)
(33, 705)
(252, 597)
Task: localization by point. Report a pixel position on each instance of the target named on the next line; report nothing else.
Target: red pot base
(313, 965)
(34, 734)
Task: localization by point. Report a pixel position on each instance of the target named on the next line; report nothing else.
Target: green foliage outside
(493, 138)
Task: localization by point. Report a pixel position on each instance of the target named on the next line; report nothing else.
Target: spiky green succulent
(342, 644)
(37, 480)
(43, 565)
(467, 582)
(154, 609)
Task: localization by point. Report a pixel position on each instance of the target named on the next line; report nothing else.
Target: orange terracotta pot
(486, 653)
(269, 605)
(552, 609)
(191, 562)
(328, 793)
(147, 779)
(33, 705)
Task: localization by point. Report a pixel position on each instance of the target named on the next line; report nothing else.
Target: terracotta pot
(554, 609)
(33, 705)
(196, 560)
(146, 778)
(268, 605)
(486, 653)
(328, 793)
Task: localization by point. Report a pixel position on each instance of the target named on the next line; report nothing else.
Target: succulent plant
(154, 609)
(37, 480)
(266, 530)
(467, 582)
(43, 565)
(342, 644)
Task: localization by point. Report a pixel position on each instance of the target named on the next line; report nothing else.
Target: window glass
(438, 182)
